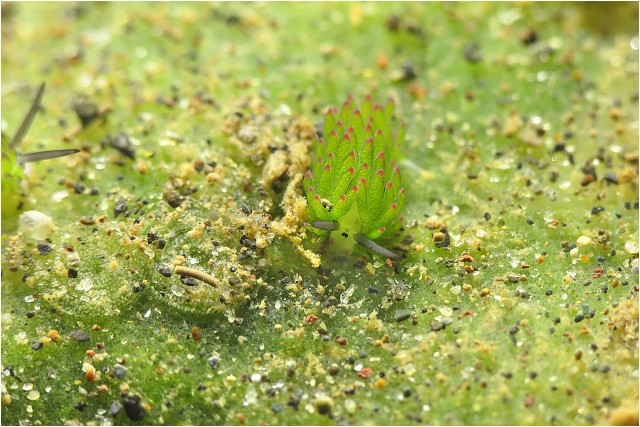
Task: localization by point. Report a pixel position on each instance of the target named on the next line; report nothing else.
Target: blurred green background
(522, 132)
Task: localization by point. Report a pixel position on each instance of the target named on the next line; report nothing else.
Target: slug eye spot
(331, 155)
(317, 197)
(356, 112)
(355, 188)
(333, 132)
(380, 155)
(382, 229)
(369, 140)
(363, 181)
(402, 191)
(352, 171)
(347, 137)
(307, 175)
(311, 190)
(389, 184)
(343, 198)
(394, 206)
(397, 169)
(328, 167)
(352, 154)
(378, 132)
(339, 124)
(380, 172)
(365, 165)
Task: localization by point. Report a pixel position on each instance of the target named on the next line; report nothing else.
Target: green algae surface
(516, 301)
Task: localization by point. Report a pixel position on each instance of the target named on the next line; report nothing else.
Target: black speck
(530, 221)
(44, 248)
(548, 292)
(408, 72)
(133, 407)
(72, 273)
(30, 314)
(173, 199)
(248, 243)
(610, 178)
(246, 210)
(487, 216)
(402, 315)
(122, 143)
(445, 242)
(86, 112)
(37, 345)
(120, 207)
(80, 336)
(189, 281)
(472, 53)
(165, 271)
(79, 188)
(579, 318)
(213, 361)
(80, 406)
(596, 210)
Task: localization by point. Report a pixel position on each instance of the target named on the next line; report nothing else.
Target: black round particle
(133, 407)
(579, 318)
(80, 406)
(487, 216)
(596, 210)
(72, 273)
(548, 292)
(530, 221)
(37, 345)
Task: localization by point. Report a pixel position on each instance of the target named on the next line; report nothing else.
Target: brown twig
(198, 275)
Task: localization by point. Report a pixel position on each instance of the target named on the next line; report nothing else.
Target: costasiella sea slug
(356, 161)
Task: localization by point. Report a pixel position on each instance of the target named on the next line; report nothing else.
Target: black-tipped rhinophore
(326, 225)
(374, 247)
